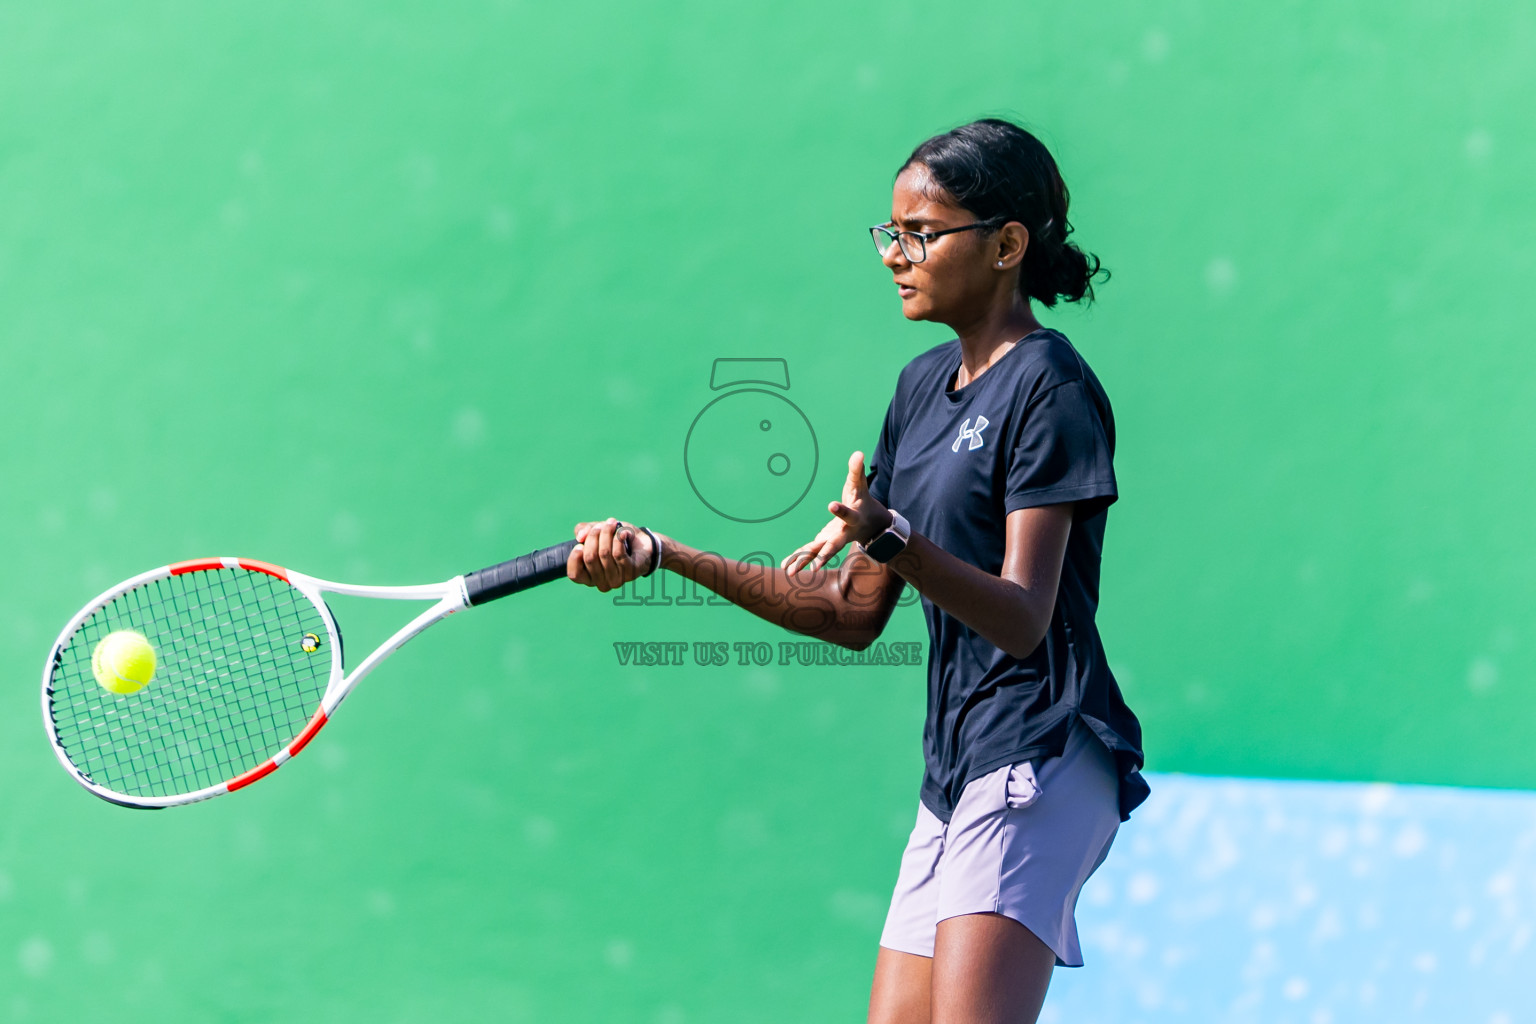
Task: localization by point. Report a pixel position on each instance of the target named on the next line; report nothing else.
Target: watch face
(885, 547)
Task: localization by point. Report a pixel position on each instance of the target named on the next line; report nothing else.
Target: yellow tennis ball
(123, 661)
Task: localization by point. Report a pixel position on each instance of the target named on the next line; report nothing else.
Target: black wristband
(655, 551)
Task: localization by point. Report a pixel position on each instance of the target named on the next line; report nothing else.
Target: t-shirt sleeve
(1061, 454)
(880, 460)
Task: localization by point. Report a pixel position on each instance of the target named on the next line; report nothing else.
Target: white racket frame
(448, 597)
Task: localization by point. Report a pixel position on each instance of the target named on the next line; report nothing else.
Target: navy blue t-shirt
(1034, 429)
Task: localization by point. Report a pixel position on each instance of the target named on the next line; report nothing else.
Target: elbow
(1030, 619)
(858, 631)
(858, 641)
(1024, 644)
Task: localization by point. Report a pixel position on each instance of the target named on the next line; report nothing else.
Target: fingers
(816, 554)
(861, 512)
(812, 557)
(799, 557)
(599, 554)
(836, 534)
(623, 545)
(784, 562)
(823, 556)
(582, 528)
(576, 568)
(856, 478)
(604, 555)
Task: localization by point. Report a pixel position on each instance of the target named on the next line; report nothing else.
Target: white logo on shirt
(974, 433)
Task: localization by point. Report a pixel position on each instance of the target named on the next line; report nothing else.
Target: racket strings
(233, 684)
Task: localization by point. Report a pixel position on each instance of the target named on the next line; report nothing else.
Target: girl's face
(960, 279)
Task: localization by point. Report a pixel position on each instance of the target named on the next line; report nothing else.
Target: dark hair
(994, 168)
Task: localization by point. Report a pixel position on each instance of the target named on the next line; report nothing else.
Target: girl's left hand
(859, 517)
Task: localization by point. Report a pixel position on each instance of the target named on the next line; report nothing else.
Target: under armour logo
(974, 433)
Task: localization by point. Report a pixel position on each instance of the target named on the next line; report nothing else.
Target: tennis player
(987, 492)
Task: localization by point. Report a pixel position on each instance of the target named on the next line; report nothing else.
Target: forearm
(839, 605)
(1010, 614)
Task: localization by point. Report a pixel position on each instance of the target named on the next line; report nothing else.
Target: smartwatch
(889, 544)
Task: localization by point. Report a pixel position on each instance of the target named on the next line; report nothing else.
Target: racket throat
(452, 601)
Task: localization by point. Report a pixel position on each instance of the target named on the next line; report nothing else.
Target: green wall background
(385, 292)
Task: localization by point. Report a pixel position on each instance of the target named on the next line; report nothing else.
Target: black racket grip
(520, 573)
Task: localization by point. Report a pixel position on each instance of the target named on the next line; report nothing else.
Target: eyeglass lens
(911, 245)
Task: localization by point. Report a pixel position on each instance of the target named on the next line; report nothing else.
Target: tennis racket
(248, 667)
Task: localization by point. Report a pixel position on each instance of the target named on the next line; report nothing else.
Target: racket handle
(520, 573)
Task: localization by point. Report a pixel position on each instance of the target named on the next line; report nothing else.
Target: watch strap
(890, 543)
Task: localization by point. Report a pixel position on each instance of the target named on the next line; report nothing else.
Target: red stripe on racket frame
(262, 771)
(241, 781)
(250, 564)
(196, 565)
(314, 726)
(266, 567)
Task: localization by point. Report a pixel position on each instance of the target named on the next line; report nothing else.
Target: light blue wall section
(1258, 902)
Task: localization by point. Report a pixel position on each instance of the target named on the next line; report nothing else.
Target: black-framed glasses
(914, 244)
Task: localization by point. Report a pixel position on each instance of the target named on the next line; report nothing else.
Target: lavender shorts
(1020, 843)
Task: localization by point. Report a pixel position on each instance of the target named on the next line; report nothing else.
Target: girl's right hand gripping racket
(247, 668)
